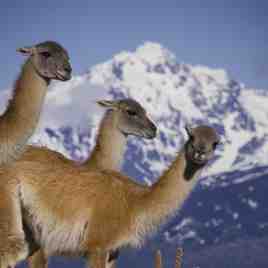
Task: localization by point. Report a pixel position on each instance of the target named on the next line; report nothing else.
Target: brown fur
(103, 156)
(73, 211)
(107, 153)
(17, 124)
(110, 146)
(101, 209)
(20, 119)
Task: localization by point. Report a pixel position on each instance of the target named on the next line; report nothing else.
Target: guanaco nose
(67, 68)
(200, 152)
(154, 128)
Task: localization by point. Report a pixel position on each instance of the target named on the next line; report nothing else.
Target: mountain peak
(149, 53)
(219, 75)
(154, 53)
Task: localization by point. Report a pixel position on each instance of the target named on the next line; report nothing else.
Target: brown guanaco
(123, 118)
(75, 211)
(46, 61)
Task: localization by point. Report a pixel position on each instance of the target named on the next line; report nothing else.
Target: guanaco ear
(107, 104)
(32, 50)
(26, 50)
(189, 130)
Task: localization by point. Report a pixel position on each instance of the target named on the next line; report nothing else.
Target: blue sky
(224, 34)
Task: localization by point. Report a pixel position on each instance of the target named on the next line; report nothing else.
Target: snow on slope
(174, 94)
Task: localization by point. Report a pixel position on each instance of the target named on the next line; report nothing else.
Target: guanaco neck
(110, 145)
(19, 120)
(170, 191)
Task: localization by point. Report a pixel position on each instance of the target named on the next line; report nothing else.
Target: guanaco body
(47, 61)
(79, 212)
(123, 118)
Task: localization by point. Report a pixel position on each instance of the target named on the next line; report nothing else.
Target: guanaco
(74, 211)
(46, 61)
(123, 118)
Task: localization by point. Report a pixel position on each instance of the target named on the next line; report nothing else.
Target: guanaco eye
(131, 112)
(46, 54)
(214, 145)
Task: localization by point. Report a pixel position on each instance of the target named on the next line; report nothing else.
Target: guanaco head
(50, 60)
(131, 118)
(201, 145)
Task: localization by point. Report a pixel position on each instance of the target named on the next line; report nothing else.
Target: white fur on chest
(54, 234)
(64, 238)
(136, 235)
